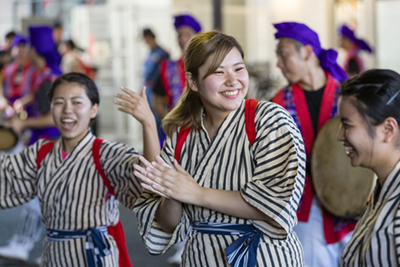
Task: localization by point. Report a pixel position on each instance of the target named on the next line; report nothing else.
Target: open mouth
(68, 124)
(349, 150)
(230, 93)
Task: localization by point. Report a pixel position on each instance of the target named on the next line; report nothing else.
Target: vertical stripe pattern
(376, 238)
(71, 192)
(270, 176)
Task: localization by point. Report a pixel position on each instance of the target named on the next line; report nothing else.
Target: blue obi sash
(97, 245)
(243, 251)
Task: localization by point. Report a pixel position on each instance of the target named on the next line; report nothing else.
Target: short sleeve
(279, 175)
(18, 176)
(117, 161)
(157, 241)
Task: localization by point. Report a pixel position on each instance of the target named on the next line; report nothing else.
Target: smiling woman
(232, 169)
(369, 110)
(79, 180)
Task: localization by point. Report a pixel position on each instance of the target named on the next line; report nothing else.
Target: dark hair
(377, 94)
(81, 79)
(148, 32)
(57, 25)
(11, 34)
(70, 43)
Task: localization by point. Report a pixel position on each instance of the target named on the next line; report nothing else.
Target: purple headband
(41, 38)
(306, 36)
(346, 32)
(187, 20)
(19, 39)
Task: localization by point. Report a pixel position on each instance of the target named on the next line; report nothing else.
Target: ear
(308, 51)
(390, 129)
(191, 81)
(94, 110)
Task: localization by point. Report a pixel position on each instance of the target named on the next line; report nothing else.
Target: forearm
(169, 214)
(38, 123)
(151, 145)
(230, 203)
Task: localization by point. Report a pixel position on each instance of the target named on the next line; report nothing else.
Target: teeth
(68, 120)
(230, 92)
(348, 149)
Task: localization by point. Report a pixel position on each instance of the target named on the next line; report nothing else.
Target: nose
(231, 79)
(279, 64)
(67, 108)
(340, 135)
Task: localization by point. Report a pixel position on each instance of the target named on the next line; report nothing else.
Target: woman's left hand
(136, 105)
(176, 184)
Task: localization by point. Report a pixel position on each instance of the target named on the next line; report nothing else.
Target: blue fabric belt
(97, 245)
(243, 251)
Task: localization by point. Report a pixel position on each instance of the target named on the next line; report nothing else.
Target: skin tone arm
(180, 187)
(19, 125)
(138, 106)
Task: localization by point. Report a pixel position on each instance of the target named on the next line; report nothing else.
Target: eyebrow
(344, 119)
(62, 98)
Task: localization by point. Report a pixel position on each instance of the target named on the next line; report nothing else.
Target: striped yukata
(71, 192)
(270, 175)
(376, 238)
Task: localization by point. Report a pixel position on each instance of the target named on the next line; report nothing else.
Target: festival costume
(269, 172)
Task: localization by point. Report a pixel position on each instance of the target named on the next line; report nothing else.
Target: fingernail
(148, 169)
(154, 164)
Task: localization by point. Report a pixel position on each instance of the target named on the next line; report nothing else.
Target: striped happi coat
(270, 175)
(71, 192)
(376, 238)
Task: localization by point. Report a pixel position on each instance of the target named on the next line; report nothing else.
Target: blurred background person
(353, 63)
(152, 70)
(41, 55)
(170, 85)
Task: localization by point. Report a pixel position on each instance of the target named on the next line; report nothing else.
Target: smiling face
(291, 61)
(72, 111)
(360, 146)
(224, 90)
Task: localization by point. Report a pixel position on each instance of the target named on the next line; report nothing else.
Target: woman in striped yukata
(238, 194)
(76, 196)
(369, 109)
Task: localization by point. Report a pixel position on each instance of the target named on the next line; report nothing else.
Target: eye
(76, 102)
(240, 68)
(218, 72)
(57, 103)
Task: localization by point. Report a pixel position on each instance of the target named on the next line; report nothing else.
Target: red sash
(117, 232)
(334, 228)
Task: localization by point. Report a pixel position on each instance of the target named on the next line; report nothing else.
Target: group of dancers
(233, 176)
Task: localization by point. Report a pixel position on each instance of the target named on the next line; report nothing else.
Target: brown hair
(200, 48)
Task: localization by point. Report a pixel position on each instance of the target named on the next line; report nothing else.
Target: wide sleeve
(279, 174)
(117, 161)
(157, 241)
(18, 177)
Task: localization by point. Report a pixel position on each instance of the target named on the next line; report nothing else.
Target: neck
(153, 45)
(212, 121)
(314, 80)
(386, 166)
(69, 144)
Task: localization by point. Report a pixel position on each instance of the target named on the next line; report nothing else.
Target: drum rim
(13, 133)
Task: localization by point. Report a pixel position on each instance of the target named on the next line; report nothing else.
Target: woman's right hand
(135, 105)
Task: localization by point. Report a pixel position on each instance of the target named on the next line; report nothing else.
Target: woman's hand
(135, 105)
(176, 184)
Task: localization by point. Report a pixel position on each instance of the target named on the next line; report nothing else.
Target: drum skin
(342, 189)
(8, 139)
